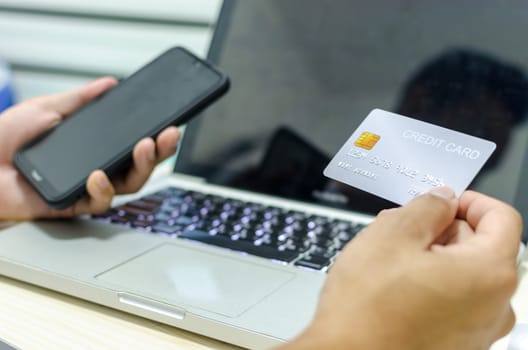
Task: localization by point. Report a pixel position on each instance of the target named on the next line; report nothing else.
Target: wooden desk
(37, 318)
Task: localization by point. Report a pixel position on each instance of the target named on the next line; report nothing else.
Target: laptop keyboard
(308, 241)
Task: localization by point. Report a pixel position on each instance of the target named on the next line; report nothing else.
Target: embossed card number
(398, 158)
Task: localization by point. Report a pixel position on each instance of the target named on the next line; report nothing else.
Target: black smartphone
(170, 90)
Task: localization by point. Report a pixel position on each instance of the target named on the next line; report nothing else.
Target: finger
(458, 231)
(421, 221)
(100, 195)
(144, 160)
(98, 199)
(23, 123)
(507, 322)
(386, 212)
(21, 126)
(448, 235)
(146, 155)
(67, 102)
(495, 222)
(166, 143)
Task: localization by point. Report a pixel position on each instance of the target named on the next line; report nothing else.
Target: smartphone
(170, 90)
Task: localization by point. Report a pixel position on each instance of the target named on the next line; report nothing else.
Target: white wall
(53, 45)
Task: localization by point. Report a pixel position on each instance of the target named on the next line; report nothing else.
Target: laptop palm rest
(187, 277)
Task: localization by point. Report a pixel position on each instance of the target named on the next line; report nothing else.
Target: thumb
(27, 120)
(420, 221)
(69, 101)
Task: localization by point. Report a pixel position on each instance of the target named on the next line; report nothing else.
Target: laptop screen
(306, 72)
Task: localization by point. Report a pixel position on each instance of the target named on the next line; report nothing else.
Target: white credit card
(398, 158)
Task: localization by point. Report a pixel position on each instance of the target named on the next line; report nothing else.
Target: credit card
(398, 158)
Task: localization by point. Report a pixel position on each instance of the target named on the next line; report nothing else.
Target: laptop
(235, 244)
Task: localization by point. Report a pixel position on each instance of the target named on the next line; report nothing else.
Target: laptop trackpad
(184, 276)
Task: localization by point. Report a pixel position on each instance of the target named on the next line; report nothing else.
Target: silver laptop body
(238, 298)
(304, 73)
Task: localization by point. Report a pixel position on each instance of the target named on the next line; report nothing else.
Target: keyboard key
(240, 245)
(121, 220)
(183, 220)
(144, 204)
(162, 216)
(129, 209)
(156, 198)
(142, 224)
(357, 229)
(344, 236)
(265, 231)
(164, 228)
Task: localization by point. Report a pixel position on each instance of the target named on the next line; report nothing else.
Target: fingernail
(55, 119)
(444, 192)
(102, 183)
(96, 82)
(151, 156)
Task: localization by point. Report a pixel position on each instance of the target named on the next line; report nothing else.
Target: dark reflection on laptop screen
(306, 72)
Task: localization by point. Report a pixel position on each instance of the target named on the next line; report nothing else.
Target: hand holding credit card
(398, 158)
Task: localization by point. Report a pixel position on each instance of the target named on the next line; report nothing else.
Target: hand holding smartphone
(170, 90)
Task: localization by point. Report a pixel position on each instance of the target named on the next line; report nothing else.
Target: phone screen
(137, 107)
